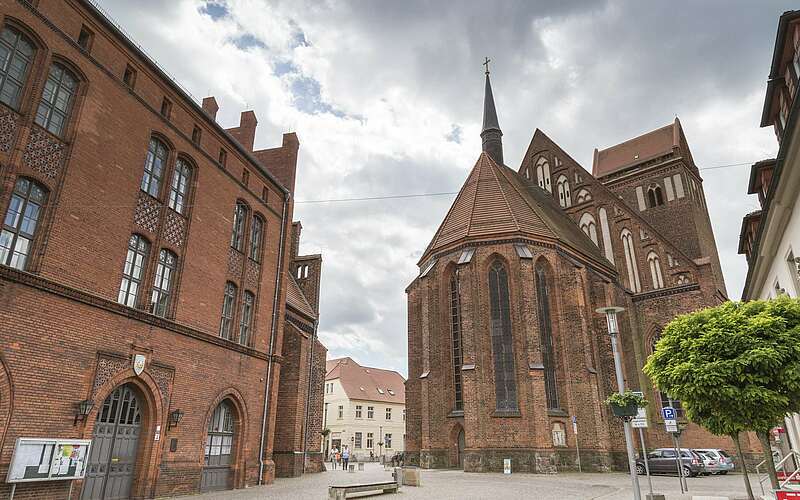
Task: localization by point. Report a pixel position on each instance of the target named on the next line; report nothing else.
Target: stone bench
(340, 492)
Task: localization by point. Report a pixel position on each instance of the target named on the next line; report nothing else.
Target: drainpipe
(308, 392)
(275, 308)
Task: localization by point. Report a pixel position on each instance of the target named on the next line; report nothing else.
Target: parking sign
(668, 413)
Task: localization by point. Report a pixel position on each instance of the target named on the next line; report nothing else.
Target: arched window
(154, 164)
(246, 317)
(604, 230)
(57, 96)
(654, 196)
(133, 272)
(179, 189)
(162, 284)
(546, 337)
(562, 187)
(682, 279)
(589, 226)
(237, 235)
(16, 54)
(543, 173)
(228, 303)
(455, 331)
(630, 261)
(219, 448)
(502, 341)
(655, 270)
(256, 235)
(583, 196)
(19, 226)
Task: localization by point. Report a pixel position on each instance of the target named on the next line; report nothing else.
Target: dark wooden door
(112, 460)
(461, 446)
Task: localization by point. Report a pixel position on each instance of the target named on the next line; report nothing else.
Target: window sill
(506, 414)
(556, 412)
(455, 414)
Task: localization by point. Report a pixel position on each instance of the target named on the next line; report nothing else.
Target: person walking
(334, 457)
(345, 457)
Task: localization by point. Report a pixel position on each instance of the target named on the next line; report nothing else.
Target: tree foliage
(735, 367)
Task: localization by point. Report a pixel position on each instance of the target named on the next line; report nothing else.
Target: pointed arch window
(246, 319)
(219, 441)
(237, 235)
(179, 189)
(655, 270)
(154, 164)
(502, 340)
(228, 302)
(57, 96)
(583, 196)
(20, 223)
(630, 261)
(256, 235)
(564, 196)
(543, 173)
(655, 197)
(589, 226)
(546, 337)
(163, 282)
(455, 331)
(133, 271)
(16, 55)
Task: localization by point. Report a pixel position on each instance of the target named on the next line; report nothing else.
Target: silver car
(716, 461)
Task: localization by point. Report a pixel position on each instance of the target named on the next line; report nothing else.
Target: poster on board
(41, 459)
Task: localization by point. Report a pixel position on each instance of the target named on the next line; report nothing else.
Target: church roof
(496, 201)
(296, 299)
(633, 151)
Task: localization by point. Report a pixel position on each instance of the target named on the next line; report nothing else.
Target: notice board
(42, 459)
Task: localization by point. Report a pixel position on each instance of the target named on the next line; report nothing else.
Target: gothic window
(604, 230)
(682, 279)
(502, 340)
(655, 270)
(583, 196)
(16, 54)
(546, 337)
(20, 223)
(630, 261)
(455, 330)
(237, 235)
(154, 164)
(256, 234)
(180, 186)
(562, 186)
(219, 441)
(246, 318)
(655, 197)
(57, 96)
(589, 226)
(162, 284)
(228, 301)
(543, 173)
(133, 271)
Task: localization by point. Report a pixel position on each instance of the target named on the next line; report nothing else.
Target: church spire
(491, 134)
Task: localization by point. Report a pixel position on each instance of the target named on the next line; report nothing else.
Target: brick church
(504, 344)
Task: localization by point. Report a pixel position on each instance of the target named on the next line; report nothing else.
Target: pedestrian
(338, 458)
(345, 457)
(371, 456)
(334, 453)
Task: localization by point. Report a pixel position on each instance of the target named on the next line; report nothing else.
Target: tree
(735, 367)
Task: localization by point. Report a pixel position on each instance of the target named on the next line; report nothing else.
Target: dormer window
(466, 256)
(523, 252)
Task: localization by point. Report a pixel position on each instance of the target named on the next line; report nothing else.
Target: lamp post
(613, 331)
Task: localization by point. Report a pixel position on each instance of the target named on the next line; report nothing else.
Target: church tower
(491, 135)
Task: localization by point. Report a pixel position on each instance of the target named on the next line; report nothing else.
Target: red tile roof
(366, 383)
(650, 145)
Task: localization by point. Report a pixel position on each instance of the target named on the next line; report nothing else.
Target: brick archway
(456, 445)
(236, 401)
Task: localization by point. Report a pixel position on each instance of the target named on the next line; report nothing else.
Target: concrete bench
(340, 492)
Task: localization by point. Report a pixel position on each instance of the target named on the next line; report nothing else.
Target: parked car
(719, 463)
(663, 461)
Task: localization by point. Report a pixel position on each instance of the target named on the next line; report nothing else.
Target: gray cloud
(386, 98)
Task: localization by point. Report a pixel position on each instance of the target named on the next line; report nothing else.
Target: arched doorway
(217, 471)
(460, 445)
(115, 441)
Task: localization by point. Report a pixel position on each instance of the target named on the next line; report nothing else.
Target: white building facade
(364, 410)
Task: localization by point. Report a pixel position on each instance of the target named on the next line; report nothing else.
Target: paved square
(455, 484)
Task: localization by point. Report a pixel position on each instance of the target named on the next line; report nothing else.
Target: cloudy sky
(386, 98)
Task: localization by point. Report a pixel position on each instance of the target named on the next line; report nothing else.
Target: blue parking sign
(668, 413)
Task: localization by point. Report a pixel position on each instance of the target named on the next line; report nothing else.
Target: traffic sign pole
(646, 464)
(577, 447)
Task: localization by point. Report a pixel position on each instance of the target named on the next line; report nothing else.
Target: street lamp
(613, 331)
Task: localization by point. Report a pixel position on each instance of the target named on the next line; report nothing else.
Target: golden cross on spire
(486, 63)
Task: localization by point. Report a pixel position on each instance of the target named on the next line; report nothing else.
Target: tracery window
(455, 331)
(20, 223)
(154, 164)
(256, 235)
(589, 226)
(228, 301)
(57, 97)
(630, 261)
(502, 340)
(655, 197)
(133, 271)
(655, 270)
(237, 235)
(546, 337)
(562, 187)
(16, 54)
(582, 196)
(219, 441)
(246, 318)
(543, 173)
(163, 282)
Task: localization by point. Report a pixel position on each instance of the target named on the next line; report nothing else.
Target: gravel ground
(455, 484)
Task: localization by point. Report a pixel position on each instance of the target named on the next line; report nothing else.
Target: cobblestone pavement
(453, 484)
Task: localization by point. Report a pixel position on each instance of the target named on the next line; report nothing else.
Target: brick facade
(66, 338)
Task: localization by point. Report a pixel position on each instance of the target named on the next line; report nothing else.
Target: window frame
(228, 310)
(165, 272)
(155, 146)
(140, 250)
(239, 230)
(456, 348)
(178, 199)
(546, 340)
(247, 310)
(256, 238)
(30, 59)
(51, 106)
(15, 228)
(504, 366)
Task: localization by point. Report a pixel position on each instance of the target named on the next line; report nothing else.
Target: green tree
(735, 367)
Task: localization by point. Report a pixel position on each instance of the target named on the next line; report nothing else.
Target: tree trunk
(738, 445)
(763, 437)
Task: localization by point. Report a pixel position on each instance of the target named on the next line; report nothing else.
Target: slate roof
(366, 383)
(296, 299)
(650, 145)
(495, 201)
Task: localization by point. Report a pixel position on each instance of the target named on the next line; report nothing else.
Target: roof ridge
(503, 193)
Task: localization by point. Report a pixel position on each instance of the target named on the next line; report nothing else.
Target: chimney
(245, 133)
(210, 107)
